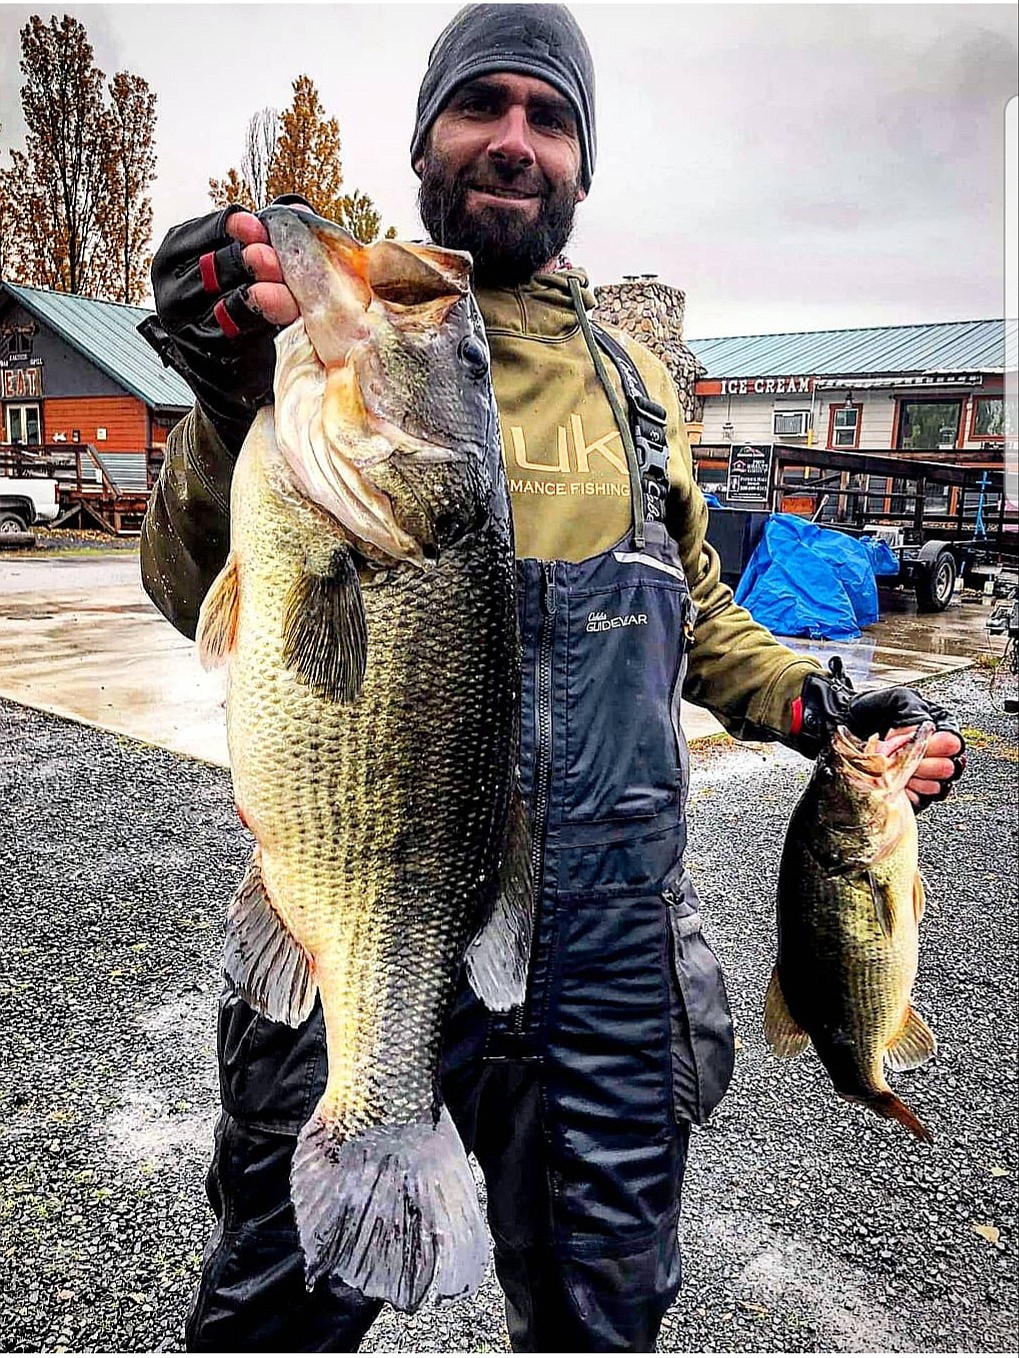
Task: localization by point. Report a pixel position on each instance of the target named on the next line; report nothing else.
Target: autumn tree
(127, 217)
(304, 158)
(77, 191)
(5, 228)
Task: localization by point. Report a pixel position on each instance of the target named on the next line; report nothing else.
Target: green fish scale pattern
(380, 821)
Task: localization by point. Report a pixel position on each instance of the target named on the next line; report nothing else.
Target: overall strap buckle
(647, 425)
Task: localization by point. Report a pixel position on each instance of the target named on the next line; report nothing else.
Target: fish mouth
(330, 430)
(880, 765)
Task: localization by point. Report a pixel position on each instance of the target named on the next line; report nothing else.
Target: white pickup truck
(25, 500)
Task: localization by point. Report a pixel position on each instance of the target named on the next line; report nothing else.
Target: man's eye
(556, 122)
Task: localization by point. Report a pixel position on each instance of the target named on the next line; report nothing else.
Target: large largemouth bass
(367, 616)
(850, 901)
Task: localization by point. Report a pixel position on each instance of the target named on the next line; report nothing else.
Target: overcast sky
(790, 166)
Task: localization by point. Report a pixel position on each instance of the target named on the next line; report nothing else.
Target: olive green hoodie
(569, 489)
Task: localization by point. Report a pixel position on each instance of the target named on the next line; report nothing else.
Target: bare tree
(259, 153)
(249, 185)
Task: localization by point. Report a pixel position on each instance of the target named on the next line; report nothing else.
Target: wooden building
(932, 391)
(75, 371)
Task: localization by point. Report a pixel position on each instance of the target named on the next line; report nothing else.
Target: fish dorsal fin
(415, 275)
(914, 1044)
(261, 958)
(784, 1035)
(325, 632)
(217, 619)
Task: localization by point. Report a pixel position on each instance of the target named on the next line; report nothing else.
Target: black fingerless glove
(204, 328)
(829, 700)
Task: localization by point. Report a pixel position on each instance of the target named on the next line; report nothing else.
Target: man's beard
(508, 247)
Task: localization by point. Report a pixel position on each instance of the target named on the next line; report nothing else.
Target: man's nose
(511, 139)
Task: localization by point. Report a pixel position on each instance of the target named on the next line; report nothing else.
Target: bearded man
(578, 1105)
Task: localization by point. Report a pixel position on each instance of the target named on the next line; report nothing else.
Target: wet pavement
(79, 638)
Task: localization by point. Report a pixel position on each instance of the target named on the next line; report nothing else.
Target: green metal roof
(105, 332)
(944, 347)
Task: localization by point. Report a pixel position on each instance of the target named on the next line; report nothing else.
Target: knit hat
(543, 41)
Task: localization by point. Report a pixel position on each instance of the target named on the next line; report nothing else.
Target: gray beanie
(543, 41)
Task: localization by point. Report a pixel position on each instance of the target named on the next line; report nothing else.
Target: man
(578, 1106)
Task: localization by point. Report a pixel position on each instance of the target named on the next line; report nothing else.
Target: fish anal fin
(882, 904)
(325, 633)
(498, 958)
(919, 897)
(217, 619)
(914, 1045)
(784, 1035)
(262, 959)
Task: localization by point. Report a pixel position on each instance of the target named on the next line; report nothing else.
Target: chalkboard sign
(749, 473)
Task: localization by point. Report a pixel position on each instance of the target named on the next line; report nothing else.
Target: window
(928, 424)
(790, 424)
(24, 424)
(988, 418)
(844, 426)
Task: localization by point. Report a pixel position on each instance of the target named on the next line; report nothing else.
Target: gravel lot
(808, 1224)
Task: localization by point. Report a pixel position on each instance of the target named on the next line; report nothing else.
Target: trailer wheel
(936, 584)
(12, 522)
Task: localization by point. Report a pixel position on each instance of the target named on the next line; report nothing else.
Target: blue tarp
(808, 581)
(882, 558)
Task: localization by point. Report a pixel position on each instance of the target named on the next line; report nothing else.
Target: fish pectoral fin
(497, 960)
(784, 1035)
(217, 619)
(325, 633)
(919, 897)
(261, 958)
(882, 904)
(914, 1045)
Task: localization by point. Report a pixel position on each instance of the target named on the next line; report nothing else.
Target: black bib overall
(578, 1105)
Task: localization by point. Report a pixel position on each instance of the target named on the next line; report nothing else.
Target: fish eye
(471, 354)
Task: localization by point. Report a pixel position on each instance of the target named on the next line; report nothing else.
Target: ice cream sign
(755, 386)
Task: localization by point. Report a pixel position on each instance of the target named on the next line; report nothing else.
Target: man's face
(500, 176)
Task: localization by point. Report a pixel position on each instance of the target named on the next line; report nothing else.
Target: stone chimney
(653, 312)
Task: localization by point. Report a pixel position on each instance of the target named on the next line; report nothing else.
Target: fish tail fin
(498, 958)
(889, 1105)
(392, 1211)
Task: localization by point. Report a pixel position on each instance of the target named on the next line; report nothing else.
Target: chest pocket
(627, 639)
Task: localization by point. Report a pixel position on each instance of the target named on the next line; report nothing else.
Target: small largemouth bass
(367, 617)
(850, 901)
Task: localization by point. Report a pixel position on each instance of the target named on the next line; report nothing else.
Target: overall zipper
(542, 757)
